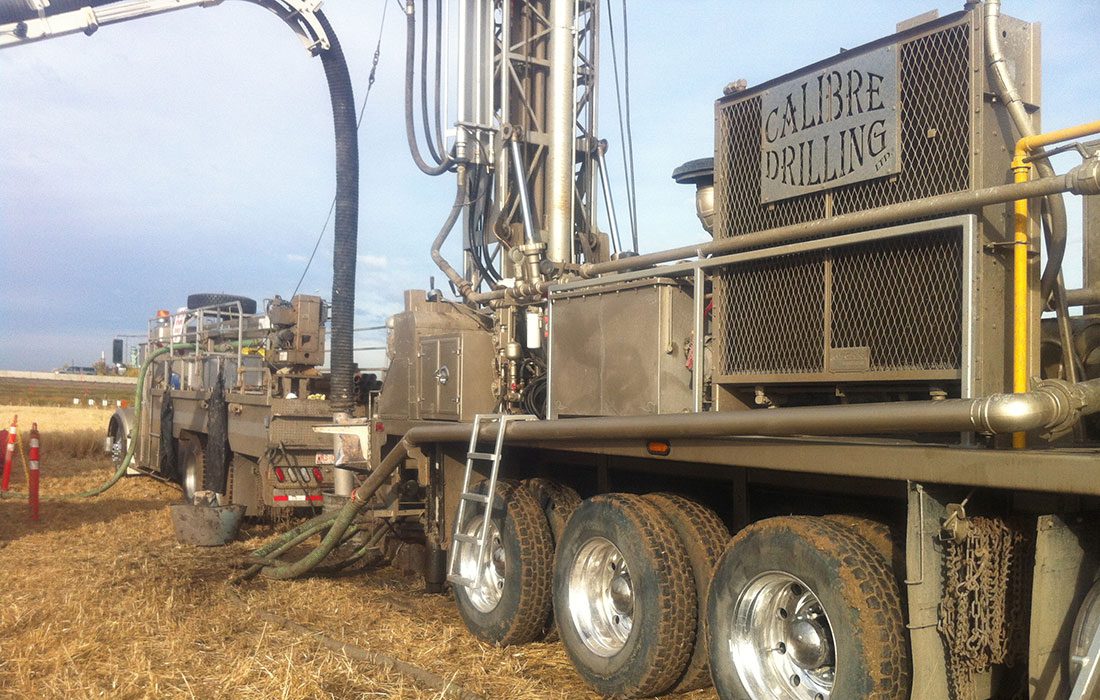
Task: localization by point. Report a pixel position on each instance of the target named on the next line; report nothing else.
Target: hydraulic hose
(410, 80)
(362, 551)
(426, 120)
(269, 552)
(440, 138)
(342, 519)
(456, 279)
(345, 230)
(1056, 206)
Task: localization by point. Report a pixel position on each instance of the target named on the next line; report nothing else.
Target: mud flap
(217, 453)
(168, 464)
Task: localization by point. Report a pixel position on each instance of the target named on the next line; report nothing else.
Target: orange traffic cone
(32, 473)
(9, 453)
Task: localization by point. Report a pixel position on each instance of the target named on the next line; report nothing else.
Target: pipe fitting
(1052, 406)
(1085, 178)
(1070, 399)
(1011, 413)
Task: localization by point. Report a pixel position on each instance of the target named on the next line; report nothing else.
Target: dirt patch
(98, 600)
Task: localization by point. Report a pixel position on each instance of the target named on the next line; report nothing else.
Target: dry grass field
(97, 600)
(50, 392)
(57, 420)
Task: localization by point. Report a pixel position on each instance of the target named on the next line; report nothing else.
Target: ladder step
(462, 537)
(482, 455)
(476, 497)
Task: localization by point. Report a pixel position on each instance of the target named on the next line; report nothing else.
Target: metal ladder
(459, 538)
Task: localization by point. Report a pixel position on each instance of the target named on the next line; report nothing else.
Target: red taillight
(315, 497)
(320, 477)
(280, 474)
(281, 498)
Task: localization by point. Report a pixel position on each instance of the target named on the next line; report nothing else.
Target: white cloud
(378, 261)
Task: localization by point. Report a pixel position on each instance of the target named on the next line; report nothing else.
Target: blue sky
(193, 151)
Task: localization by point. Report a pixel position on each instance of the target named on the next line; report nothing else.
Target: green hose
(368, 547)
(344, 518)
(286, 542)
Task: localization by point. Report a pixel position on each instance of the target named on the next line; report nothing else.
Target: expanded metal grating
(791, 288)
(935, 144)
(895, 304)
(896, 301)
(737, 178)
(903, 302)
(935, 125)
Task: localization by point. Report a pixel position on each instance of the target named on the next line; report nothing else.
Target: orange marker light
(660, 448)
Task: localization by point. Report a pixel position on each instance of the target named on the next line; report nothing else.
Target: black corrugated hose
(345, 238)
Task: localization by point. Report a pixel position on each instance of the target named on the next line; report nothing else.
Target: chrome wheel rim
(190, 481)
(485, 593)
(118, 450)
(191, 484)
(601, 597)
(781, 642)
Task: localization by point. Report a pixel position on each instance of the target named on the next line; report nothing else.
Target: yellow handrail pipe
(1021, 170)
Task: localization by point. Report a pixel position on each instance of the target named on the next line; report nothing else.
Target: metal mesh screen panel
(899, 297)
(935, 144)
(774, 321)
(935, 125)
(737, 178)
(902, 301)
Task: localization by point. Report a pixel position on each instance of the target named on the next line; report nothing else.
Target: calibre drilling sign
(834, 126)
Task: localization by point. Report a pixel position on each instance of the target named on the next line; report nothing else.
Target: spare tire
(197, 301)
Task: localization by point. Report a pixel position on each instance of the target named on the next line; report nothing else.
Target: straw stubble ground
(98, 600)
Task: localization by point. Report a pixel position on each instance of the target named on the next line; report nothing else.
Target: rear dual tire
(804, 608)
(705, 538)
(558, 502)
(510, 604)
(624, 597)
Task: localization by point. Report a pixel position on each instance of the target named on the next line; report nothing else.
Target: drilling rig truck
(845, 448)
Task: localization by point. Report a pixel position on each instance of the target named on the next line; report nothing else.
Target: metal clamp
(301, 17)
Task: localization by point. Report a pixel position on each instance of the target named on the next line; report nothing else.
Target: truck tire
(511, 601)
(118, 440)
(197, 301)
(624, 597)
(802, 607)
(190, 461)
(558, 502)
(704, 537)
(879, 535)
